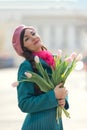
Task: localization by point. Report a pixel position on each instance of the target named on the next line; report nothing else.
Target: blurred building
(62, 24)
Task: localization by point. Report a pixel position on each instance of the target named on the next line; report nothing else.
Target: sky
(82, 4)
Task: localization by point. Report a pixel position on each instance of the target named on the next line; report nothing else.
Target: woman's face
(32, 40)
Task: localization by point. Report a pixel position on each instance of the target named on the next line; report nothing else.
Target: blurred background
(62, 24)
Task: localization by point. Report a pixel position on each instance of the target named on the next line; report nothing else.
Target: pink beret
(16, 38)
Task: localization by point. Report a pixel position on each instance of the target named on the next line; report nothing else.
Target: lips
(36, 41)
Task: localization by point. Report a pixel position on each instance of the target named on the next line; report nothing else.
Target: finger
(59, 85)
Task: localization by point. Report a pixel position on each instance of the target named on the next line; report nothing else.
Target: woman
(39, 106)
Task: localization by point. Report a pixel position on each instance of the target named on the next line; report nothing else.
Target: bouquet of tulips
(61, 70)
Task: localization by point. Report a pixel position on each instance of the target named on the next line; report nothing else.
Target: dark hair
(27, 54)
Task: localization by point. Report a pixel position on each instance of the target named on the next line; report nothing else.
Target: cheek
(27, 44)
(30, 47)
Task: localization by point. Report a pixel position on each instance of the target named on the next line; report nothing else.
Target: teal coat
(40, 109)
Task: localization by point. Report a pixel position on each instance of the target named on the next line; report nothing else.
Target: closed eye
(27, 39)
(33, 33)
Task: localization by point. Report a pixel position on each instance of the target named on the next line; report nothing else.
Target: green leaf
(44, 74)
(42, 83)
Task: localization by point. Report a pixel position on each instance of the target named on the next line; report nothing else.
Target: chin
(38, 49)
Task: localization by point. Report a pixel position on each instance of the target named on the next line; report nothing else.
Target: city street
(11, 117)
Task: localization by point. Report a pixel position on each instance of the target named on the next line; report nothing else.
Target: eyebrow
(27, 35)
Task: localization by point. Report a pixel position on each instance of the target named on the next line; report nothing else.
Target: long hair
(27, 54)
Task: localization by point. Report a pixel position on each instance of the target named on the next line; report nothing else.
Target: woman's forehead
(28, 31)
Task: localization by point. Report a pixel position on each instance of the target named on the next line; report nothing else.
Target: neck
(38, 50)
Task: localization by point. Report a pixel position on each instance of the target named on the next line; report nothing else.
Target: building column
(71, 38)
(46, 36)
(58, 37)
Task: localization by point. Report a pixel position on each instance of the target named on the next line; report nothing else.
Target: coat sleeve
(66, 104)
(27, 101)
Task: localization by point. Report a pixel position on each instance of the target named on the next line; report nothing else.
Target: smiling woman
(40, 106)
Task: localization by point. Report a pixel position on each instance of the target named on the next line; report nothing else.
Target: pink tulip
(59, 54)
(79, 57)
(68, 59)
(36, 59)
(15, 84)
(29, 75)
(73, 55)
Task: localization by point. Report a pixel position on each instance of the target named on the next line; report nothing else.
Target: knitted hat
(16, 38)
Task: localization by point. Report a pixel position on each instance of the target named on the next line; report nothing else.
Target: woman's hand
(60, 92)
(61, 102)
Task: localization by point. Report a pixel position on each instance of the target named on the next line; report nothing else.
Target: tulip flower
(59, 54)
(73, 55)
(29, 75)
(36, 59)
(79, 57)
(15, 84)
(68, 59)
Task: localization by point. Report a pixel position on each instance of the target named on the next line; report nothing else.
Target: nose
(33, 37)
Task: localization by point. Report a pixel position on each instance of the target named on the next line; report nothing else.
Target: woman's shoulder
(25, 63)
(25, 66)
